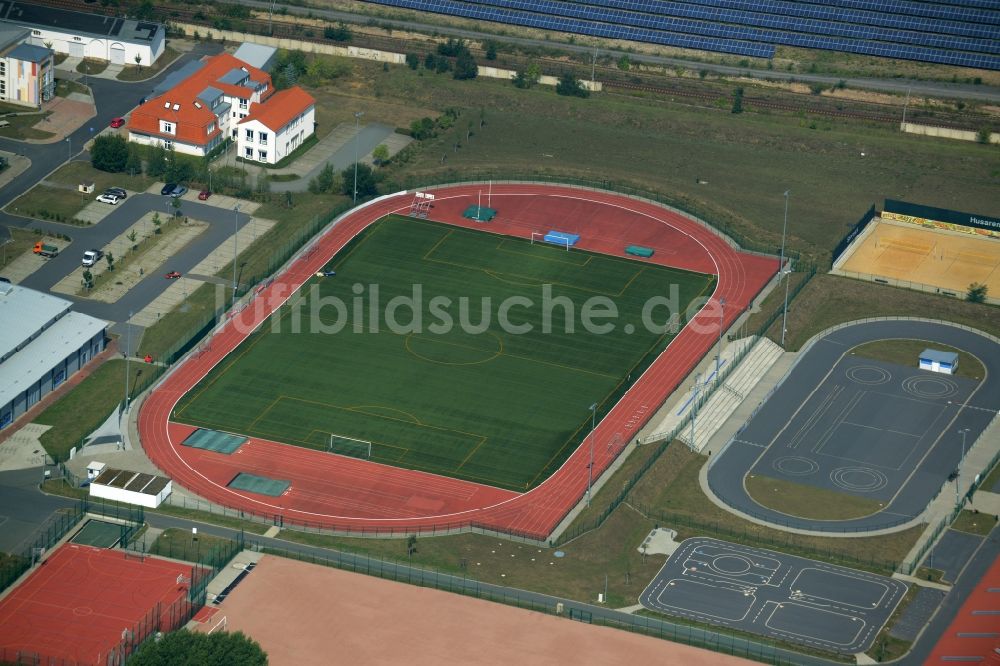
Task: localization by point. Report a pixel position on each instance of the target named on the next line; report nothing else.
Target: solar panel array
(951, 32)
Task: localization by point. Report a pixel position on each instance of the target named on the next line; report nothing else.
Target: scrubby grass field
(493, 406)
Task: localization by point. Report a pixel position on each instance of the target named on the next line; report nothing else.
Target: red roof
(191, 116)
(281, 108)
(974, 634)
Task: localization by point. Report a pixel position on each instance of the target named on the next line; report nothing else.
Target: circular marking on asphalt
(734, 565)
(858, 479)
(923, 386)
(870, 375)
(795, 466)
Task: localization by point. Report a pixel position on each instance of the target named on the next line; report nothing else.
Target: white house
(113, 39)
(274, 130)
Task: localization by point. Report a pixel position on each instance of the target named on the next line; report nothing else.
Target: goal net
(349, 446)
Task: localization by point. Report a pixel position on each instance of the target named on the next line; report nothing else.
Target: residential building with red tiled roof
(275, 129)
(201, 111)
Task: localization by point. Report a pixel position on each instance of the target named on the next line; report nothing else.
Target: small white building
(120, 41)
(939, 361)
(146, 490)
(95, 469)
(274, 130)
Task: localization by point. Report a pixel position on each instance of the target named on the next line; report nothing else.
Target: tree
(367, 185)
(380, 154)
(453, 48)
(412, 60)
(340, 33)
(88, 279)
(186, 647)
(323, 182)
(430, 61)
(131, 236)
(156, 161)
(411, 545)
(138, 60)
(443, 65)
(109, 153)
(977, 293)
(569, 85)
(111, 261)
(133, 163)
(422, 129)
(983, 135)
(738, 100)
(465, 66)
(491, 50)
(528, 77)
(156, 223)
(624, 63)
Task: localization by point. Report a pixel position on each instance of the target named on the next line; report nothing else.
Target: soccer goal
(564, 242)
(221, 626)
(349, 446)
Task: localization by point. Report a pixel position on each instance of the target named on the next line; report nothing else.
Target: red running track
(355, 495)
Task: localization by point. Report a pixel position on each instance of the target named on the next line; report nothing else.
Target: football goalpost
(558, 241)
(349, 446)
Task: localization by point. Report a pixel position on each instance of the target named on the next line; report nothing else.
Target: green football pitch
(479, 399)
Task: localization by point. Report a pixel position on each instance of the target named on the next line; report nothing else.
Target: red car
(172, 275)
(204, 194)
(117, 122)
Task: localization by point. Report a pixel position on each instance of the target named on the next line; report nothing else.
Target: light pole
(694, 407)
(69, 149)
(128, 352)
(236, 235)
(722, 323)
(784, 273)
(590, 467)
(357, 118)
(958, 470)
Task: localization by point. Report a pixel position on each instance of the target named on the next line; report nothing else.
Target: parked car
(172, 275)
(204, 194)
(178, 191)
(108, 199)
(45, 250)
(117, 122)
(3, 279)
(168, 188)
(117, 191)
(91, 257)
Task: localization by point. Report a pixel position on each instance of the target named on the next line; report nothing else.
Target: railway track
(610, 77)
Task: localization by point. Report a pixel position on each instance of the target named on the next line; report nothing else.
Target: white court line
(876, 583)
(854, 640)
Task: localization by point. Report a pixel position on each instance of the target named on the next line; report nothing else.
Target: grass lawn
(62, 203)
(671, 494)
(21, 241)
(23, 126)
(180, 544)
(828, 300)
(974, 523)
(83, 409)
(804, 501)
(131, 72)
(483, 393)
(90, 67)
(64, 87)
(906, 352)
(933, 575)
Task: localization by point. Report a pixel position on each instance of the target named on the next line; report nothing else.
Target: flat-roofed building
(42, 343)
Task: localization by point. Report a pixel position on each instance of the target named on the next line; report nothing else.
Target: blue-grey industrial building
(42, 343)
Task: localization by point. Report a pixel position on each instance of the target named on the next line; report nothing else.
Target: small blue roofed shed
(939, 361)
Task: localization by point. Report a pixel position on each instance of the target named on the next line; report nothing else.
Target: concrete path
(24, 448)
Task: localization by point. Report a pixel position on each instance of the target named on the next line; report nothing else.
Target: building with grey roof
(27, 72)
(120, 41)
(257, 55)
(42, 344)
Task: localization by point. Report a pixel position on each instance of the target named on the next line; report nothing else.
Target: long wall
(945, 132)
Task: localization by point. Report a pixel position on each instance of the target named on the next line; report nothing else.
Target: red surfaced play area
(349, 494)
(87, 605)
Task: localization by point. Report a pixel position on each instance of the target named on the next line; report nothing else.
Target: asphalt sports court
(863, 430)
(945, 259)
(483, 404)
(100, 534)
(82, 602)
(774, 595)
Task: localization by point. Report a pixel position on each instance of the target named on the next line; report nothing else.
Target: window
(243, 115)
(249, 135)
(167, 144)
(234, 114)
(248, 153)
(167, 127)
(263, 138)
(262, 155)
(244, 103)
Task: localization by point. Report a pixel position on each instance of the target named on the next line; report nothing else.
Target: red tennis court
(86, 605)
